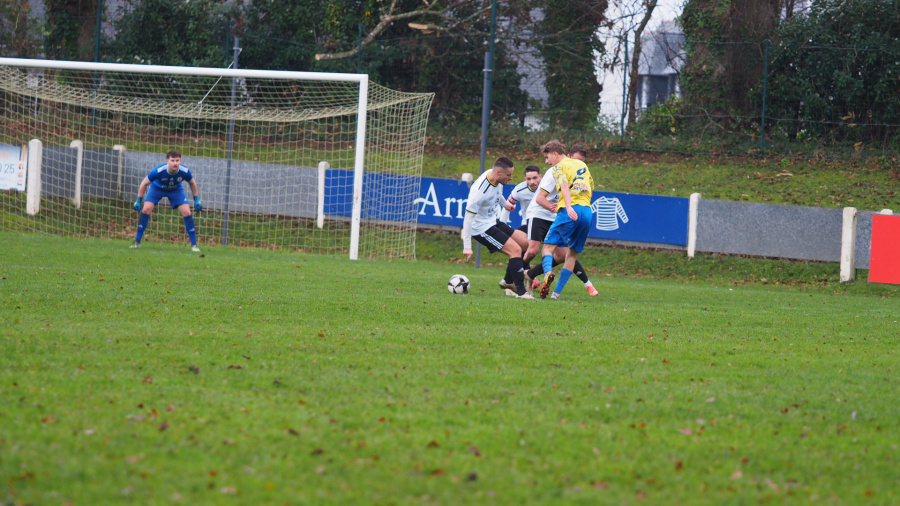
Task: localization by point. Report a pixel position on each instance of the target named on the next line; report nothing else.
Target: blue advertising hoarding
(617, 216)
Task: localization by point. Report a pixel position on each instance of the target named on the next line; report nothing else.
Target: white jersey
(548, 187)
(485, 201)
(521, 194)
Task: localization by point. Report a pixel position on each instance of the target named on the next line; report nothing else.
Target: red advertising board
(884, 262)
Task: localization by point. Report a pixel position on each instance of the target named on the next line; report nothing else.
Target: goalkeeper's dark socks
(580, 272)
(191, 230)
(142, 226)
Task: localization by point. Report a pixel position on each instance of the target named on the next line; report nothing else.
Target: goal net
(312, 162)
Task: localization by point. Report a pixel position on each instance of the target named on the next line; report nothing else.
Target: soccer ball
(458, 284)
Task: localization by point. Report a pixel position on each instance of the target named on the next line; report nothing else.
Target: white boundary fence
(713, 226)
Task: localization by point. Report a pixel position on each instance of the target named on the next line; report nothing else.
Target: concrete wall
(255, 187)
(769, 230)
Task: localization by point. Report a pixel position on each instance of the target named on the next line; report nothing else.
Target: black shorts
(524, 227)
(538, 228)
(495, 237)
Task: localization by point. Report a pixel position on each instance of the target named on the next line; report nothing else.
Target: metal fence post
(624, 86)
(762, 120)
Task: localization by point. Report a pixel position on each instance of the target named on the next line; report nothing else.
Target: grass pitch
(158, 376)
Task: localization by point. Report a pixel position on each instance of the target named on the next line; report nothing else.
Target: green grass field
(157, 376)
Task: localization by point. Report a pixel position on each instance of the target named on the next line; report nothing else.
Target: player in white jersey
(540, 216)
(482, 222)
(578, 152)
(522, 194)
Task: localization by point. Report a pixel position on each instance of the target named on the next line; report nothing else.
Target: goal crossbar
(176, 70)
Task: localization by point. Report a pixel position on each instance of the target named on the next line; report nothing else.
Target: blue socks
(142, 225)
(547, 263)
(188, 225)
(191, 230)
(564, 276)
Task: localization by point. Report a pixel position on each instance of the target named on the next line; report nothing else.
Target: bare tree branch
(430, 9)
(635, 60)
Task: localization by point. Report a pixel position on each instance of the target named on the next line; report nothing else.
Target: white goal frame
(362, 79)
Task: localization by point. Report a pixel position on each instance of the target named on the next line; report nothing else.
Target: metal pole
(237, 51)
(762, 120)
(97, 55)
(359, 51)
(99, 28)
(486, 103)
(625, 86)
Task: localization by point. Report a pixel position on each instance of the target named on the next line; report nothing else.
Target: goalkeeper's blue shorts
(176, 197)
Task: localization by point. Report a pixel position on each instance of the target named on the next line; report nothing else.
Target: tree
(18, 31)
(648, 5)
(725, 50)
(567, 38)
(442, 52)
(834, 72)
(71, 28)
(563, 32)
(161, 32)
(440, 15)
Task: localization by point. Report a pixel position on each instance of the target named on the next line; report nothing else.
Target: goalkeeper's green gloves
(138, 204)
(198, 206)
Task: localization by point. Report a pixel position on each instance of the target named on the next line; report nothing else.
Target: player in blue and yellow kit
(573, 214)
(165, 181)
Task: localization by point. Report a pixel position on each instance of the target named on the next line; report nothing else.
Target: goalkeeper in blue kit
(165, 181)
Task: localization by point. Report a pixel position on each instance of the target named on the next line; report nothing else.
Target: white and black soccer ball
(458, 284)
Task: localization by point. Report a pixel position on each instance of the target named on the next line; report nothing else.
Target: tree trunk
(635, 60)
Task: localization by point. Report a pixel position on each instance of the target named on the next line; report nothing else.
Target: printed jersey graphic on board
(608, 211)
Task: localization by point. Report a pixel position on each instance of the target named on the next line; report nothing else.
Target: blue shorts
(567, 233)
(176, 197)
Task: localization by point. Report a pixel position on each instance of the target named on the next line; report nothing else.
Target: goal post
(104, 126)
